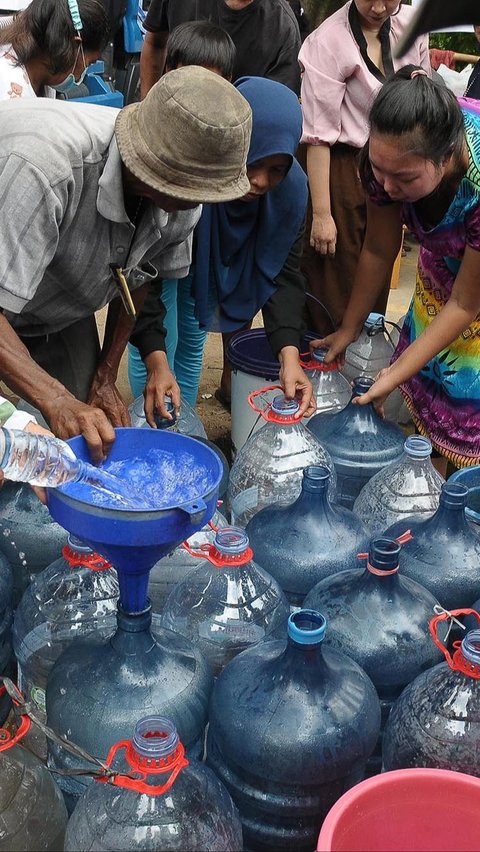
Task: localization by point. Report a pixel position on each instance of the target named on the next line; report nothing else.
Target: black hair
(45, 28)
(425, 114)
(201, 43)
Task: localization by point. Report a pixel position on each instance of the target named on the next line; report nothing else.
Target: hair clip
(75, 14)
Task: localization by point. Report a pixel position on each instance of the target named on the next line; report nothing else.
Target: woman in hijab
(246, 256)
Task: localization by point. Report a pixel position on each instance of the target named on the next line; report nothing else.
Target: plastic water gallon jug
(6, 617)
(332, 391)
(71, 599)
(309, 540)
(421, 809)
(188, 423)
(96, 687)
(292, 725)
(29, 537)
(359, 442)
(436, 720)
(470, 477)
(32, 811)
(409, 486)
(380, 619)
(269, 467)
(444, 552)
(173, 569)
(227, 603)
(370, 353)
(170, 803)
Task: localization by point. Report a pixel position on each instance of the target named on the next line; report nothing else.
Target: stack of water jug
(321, 628)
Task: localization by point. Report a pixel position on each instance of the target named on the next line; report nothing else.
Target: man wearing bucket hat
(95, 203)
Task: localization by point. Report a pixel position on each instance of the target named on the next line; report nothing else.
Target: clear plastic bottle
(269, 467)
(174, 805)
(188, 423)
(227, 603)
(74, 597)
(408, 486)
(359, 441)
(32, 812)
(332, 391)
(173, 569)
(370, 353)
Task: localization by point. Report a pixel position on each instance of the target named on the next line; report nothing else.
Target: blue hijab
(244, 245)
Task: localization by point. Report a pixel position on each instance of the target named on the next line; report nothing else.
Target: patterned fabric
(444, 397)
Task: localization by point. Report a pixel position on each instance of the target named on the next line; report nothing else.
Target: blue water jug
(269, 467)
(174, 567)
(380, 619)
(408, 486)
(444, 552)
(359, 442)
(436, 721)
(309, 540)
(470, 477)
(292, 725)
(32, 811)
(227, 603)
(96, 687)
(6, 617)
(71, 599)
(170, 803)
(29, 538)
(188, 423)
(332, 391)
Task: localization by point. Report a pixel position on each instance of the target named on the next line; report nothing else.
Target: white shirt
(14, 81)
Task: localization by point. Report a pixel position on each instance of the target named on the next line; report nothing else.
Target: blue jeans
(184, 342)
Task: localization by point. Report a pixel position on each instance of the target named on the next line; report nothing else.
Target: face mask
(69, 82)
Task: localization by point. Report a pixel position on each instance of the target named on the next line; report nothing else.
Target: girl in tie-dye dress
(421, 167)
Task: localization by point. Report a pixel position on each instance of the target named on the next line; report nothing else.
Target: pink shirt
(337, 87)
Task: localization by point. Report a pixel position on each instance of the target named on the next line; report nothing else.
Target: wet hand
(323, 236)
(160, 383)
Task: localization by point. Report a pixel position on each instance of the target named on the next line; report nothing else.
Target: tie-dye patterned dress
(444, 397)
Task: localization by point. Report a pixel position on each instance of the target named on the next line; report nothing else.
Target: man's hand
(160, 383)
(69, 417)
(104, 395)
(294, 381)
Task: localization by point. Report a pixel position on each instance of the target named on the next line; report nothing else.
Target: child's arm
(460, 310)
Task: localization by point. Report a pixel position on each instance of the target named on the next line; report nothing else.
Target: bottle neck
(451, 516)
(315, 491)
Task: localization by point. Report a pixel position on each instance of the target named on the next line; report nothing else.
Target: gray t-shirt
(63, 218)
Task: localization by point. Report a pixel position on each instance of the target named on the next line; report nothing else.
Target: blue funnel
(135, 540)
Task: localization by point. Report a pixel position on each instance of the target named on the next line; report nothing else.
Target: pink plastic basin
(408, 810)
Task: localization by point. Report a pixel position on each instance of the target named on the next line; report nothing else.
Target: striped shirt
(63, 218)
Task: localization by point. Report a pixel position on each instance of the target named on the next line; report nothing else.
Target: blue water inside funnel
(161, 478)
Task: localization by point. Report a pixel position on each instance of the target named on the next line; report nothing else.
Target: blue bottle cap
(306, 627)
(361, 385)
(375, 320)
(231, 540)
(155, 737)
(319, 355)
(418, 447)
(284, 407)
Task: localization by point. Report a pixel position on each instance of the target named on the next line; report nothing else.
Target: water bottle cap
(306, 627)
(418, 447)
(284, 407)
(155, 737)
(163, 422)
(231, 540)
(319, 355)
(361, 385)
(383, 555)
(374, 321)
(316, 477)
(454, 494)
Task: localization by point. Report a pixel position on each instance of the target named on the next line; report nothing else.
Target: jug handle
(443, 616)
(130, 782)
(6, 738)
(251, 396)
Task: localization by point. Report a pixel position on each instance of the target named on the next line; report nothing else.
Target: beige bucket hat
(189, 138)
